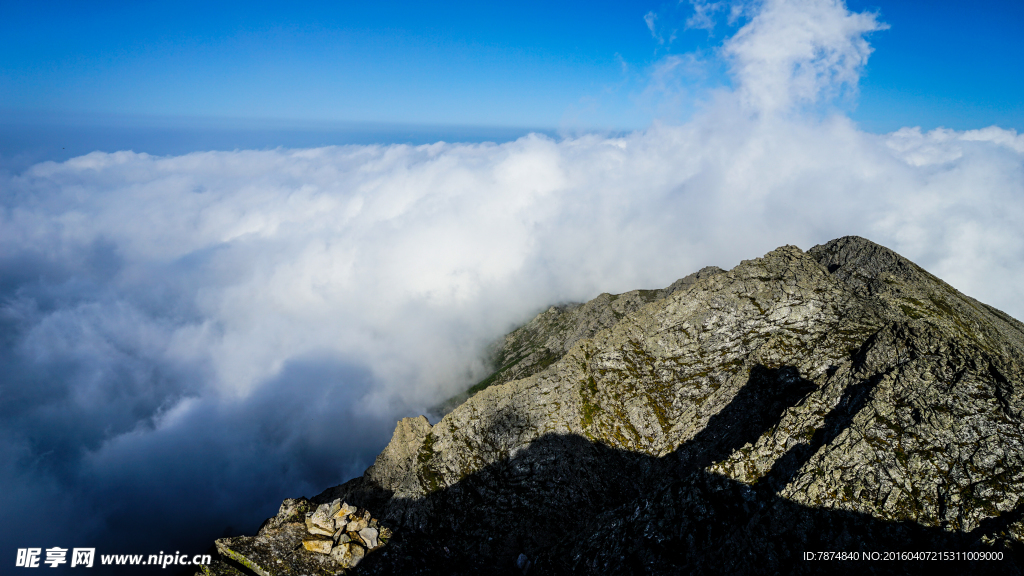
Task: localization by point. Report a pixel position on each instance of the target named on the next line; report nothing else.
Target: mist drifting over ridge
(192, 338)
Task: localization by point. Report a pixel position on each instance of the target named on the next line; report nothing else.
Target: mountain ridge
(844, 386)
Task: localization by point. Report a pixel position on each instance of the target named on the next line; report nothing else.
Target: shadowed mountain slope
(840, 399)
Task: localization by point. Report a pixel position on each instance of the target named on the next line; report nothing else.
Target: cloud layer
(187, 340)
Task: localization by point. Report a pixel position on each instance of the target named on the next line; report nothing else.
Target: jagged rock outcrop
(303, 539)
(840, 399)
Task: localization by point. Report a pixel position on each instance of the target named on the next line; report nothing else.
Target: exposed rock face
(544, 340)
(840, 399)
(336, 538)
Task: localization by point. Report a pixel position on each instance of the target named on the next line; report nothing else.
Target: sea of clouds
(187, 340)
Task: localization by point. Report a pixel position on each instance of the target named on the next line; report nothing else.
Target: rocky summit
(839, 410)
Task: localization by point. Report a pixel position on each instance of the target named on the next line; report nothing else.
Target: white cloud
(274, 311)
(650, 19)
(797, 52)
(703, 17)
(411, 257)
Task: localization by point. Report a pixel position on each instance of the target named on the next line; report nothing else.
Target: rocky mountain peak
(839, 399)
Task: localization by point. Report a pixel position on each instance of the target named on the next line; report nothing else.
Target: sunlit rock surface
(305, 539)
(840, 399)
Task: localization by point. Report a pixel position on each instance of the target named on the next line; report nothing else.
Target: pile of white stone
(345, 532)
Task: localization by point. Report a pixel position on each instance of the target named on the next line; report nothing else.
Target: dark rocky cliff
(840, 399)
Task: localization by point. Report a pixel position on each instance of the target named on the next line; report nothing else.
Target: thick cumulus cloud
(799, 52)
(187, 340)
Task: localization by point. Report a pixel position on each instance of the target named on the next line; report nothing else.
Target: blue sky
(459, 63)
(533, 65)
